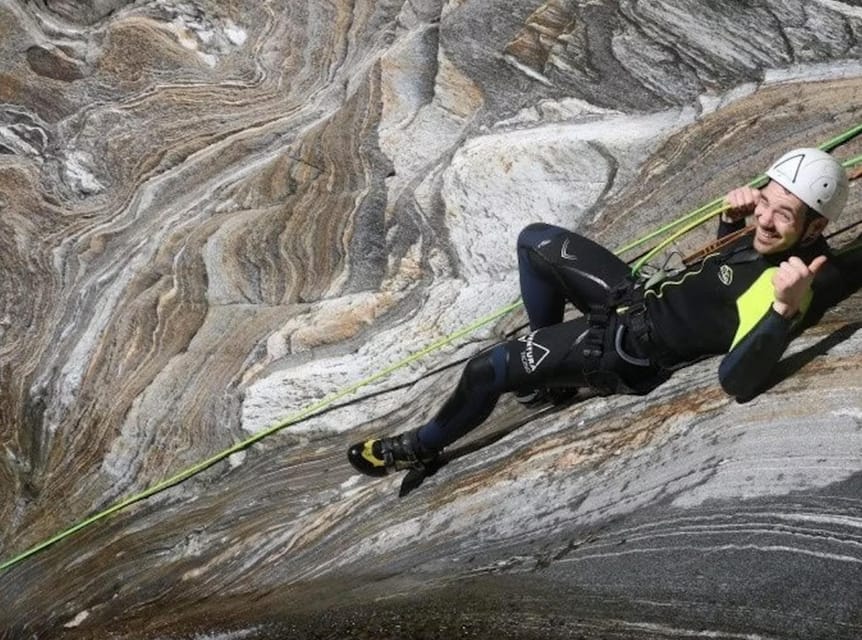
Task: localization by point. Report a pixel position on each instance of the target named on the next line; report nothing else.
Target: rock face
(213, 215)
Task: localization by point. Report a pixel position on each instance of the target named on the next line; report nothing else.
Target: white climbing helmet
(814, 177)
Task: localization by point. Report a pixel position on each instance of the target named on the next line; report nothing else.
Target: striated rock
(216, 215)
(53, 64)
(84, 13)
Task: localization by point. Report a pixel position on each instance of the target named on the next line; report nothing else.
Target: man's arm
(746, 368)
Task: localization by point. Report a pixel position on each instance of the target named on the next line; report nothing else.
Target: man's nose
(764, 216)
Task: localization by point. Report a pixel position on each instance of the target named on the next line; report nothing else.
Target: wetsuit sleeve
(849, 262)
(744, 371)
(725, 228)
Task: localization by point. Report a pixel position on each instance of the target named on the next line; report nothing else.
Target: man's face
(780, 219)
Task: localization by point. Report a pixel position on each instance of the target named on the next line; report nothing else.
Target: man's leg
(480, 387)
(544, 357)
(538, 359)
(543, 298)
(556, 264)
(482, 382)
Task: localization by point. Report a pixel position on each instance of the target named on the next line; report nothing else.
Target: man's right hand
(741, 203)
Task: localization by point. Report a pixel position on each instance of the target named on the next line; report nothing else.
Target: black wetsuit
(631, 337)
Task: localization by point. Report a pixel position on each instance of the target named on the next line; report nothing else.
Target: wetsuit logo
(564, 252)
(533, 354)
(725, 274)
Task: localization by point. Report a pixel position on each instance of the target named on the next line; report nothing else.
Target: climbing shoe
(379, 456)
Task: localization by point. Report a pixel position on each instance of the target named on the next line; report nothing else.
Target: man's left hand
(792, 281)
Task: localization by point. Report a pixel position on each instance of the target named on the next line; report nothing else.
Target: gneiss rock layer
(215, 214)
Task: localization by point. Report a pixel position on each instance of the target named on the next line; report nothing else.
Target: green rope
(852, 162)
(827, 146)
(697, 217)
(676, 235)
(671, 225)
(840, 139)
(301, 415)
(720, 206)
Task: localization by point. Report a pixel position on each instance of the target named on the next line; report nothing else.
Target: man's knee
(479, 372)
(485, 372)
(533, 234)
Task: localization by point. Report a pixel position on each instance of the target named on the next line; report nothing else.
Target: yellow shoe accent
(368, 454)
(361, 456)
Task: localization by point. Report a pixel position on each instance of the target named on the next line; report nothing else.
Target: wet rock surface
(213, 215)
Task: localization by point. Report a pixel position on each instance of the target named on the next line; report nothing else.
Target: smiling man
(747, 300)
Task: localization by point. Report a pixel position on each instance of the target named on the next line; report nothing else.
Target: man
(746, 301)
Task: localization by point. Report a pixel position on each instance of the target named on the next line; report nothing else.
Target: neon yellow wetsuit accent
(755, 302)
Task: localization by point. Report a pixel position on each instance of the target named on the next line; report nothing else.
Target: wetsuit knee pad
(485, 372)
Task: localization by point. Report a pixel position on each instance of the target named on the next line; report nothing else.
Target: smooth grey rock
(216, 215)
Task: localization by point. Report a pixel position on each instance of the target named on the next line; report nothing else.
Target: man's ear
(814, 229)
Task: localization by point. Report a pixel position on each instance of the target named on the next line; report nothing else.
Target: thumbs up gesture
(792, 281)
